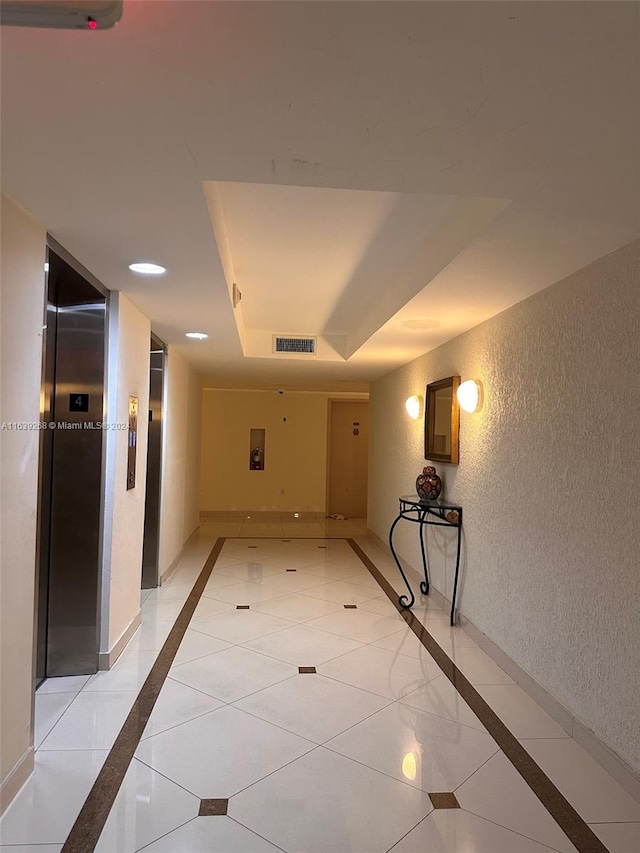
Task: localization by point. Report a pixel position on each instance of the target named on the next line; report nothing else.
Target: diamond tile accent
(444, 800)
(215, 806)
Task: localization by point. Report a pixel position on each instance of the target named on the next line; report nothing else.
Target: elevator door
(70, 474)
(150, 568)
(348, 457)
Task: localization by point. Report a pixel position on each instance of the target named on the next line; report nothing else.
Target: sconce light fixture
(413, 405)
(468, 395)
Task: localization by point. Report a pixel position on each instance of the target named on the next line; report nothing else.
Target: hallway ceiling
(381, 175)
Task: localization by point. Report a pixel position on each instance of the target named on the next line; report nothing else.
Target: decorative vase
(428, 484)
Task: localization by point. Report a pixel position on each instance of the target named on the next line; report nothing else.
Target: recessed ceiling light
(199, 336)
(147, 269)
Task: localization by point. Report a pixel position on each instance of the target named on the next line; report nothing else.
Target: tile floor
(340, 759)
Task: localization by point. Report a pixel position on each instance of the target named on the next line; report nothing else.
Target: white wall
(548, 478)
(181, 455)
(295, 454)
(128, 374)
(22, 297)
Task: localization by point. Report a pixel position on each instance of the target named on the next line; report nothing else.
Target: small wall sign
(133, 442)
(78, 402)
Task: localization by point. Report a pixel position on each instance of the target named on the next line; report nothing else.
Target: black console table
(440, 514)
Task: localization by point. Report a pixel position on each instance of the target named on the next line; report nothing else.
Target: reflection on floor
(301, 714)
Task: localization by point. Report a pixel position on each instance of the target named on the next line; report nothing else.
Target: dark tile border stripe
(560, 809)
(93, 815)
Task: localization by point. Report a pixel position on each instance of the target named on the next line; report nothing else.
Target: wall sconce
(469, 395)
(413, 405)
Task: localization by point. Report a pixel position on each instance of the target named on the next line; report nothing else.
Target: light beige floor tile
(232, 673)
(309, 806)
(478, 667)
(457, 831)
(221, 753)
(524, 717)
(202, 835)
(619, 837)
(297, 608)
(443, 753)
(439, 697)
(176, 704)
(92, 721)
(589, 789)
(293, 704)
(196, 644)
(358, 624)
(49, 708)
(498, 793)
(341, 592)
(240, 626)
(303, 645)
(380, 671)
(161, 806)
(47, 805)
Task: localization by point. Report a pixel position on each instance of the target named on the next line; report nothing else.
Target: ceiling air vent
(296, 345)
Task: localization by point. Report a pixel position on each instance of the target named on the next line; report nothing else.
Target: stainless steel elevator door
(71, 478)
(150, 552)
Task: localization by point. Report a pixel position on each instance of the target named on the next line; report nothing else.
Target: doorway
(348, 458)
(151, 545)
(70, 489)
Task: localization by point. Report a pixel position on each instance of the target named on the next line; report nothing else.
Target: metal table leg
(404, 601)
(424, 585)
(455, 580)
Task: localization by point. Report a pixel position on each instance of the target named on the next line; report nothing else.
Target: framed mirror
(442, 421)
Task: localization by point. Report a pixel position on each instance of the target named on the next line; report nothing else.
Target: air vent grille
(296, 345)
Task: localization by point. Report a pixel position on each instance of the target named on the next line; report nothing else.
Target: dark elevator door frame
(151, 546)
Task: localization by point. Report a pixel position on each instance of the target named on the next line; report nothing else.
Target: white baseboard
(625, 775)
(107, 659)
(16, 778)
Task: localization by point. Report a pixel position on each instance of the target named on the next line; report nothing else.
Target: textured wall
(548, 478)
(181, 456)
(23, 299)
(128, 374)
(295, 471)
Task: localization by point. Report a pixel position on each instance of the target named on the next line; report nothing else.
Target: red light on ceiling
(92, 24)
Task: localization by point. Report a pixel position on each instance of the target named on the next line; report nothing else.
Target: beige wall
(22, 298)
(181, 457)
(295, 472)
(548, 478)
(128, 374)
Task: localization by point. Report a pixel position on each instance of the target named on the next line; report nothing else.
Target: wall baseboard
(107, 659)
(625, 775)
(16, 778)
